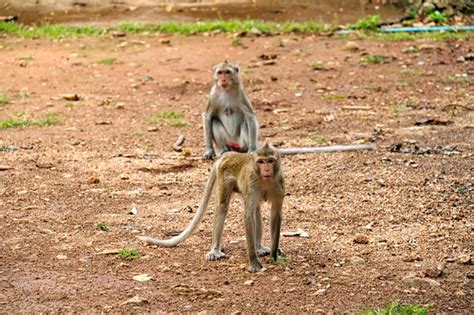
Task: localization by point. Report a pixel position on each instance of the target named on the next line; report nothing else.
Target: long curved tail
(196, 219)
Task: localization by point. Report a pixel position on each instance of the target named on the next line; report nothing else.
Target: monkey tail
(195, 221)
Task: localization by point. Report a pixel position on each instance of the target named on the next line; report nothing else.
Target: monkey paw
(263, 251)
(209, 154)
(255, 266)
(215, 255)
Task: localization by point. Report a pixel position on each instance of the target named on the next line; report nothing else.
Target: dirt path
(413, 207)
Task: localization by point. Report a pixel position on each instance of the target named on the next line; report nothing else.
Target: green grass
(228, 26)
(172, 117)
(457, 80)
(128, 253)
(414, 72)
(282, 260)
(395, 308)
(108, 61)
(317, 65)
(402, 108)
(437, 17)
(333, 97)
(373, 59)
(369, 23)
(320, 139)
(101, 226)
(4, 100)
(20, 120)
(237, 42)
(405, 36)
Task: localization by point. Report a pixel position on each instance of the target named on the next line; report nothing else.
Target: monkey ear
(236, 68)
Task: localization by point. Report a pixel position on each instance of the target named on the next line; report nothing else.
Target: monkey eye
(219, 72)
(227, 71)
(260, 161)
(271, 161)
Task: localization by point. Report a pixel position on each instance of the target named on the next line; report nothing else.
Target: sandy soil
(383, 225)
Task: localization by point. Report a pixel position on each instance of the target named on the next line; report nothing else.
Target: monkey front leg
(275, 225)
(261, 250)
(208, 136)
(250, 228)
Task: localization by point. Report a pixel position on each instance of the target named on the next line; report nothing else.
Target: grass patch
(457, 80)
(402, 108)
(224, 26)
(20, 120)
(282, 260)
(172, 117)
(4, 100)
(373, 59)
(101, 226)
(405, 36)
(369, 23)
(395, 308)
(108, 61)
(128, 253)
(413, 72)
(49, 30)
(437, 17)
(237, 42)
(317, 65)
(23, 95)
(333, 97)
(320, 139)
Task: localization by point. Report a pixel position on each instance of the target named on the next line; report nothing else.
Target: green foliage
(437, 17)
(4, 100)
(414, 72)
(20, 120)
(406, 36)
(282, 260)
(373, 59)
(48, 30)
(101, 226)
(317, 65)
(333, 97)
(320, 139)
(50, 119)
(174, 118)
(395, 308)
(369, 23)
(128, 253)
(237, 42)
(108, 61)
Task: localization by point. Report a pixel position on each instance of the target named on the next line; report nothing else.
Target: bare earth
(414, 210)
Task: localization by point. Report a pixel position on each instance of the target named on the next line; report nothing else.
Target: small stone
(5, 167)
(356, 260)
(352, 46)
(249, 282)
(464, 259)
(432, 272)
(320, 292)
(361, 239)
(61, 257)
(136, 300)
(164, 41)
(93, 180)
(119, 34)
(120, 105)
(70, 97)
(124, 176)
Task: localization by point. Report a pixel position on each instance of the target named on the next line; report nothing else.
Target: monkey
(231, 123)
(258, 177)
(229, 120)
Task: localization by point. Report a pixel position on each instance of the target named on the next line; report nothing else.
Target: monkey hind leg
(220, 136)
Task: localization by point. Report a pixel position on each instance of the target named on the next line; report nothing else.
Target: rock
(352, 46)
(142, 277)
(428, 47)
(433, 272)
(124, 176)
(320, 292)
(469, 57)
(164, 41)
(93, 180)
(136, 300)
(413, 279)
(361, 239)
(5, 167)
(249, 282)
(61, 257)
(70, 97)
(356, 260)
(470, 275)
(464, 259)
(119, 34)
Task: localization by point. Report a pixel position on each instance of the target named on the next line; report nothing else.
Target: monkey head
(267, 162)
(226, 75)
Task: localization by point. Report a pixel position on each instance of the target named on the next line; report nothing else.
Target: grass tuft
(373, 59)
(395, 308)
(128, 253)
(101, 226)
(4, 100)
(174, 118)
(369, 23)
(20, 120)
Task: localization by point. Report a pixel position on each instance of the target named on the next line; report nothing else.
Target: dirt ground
(392, 224)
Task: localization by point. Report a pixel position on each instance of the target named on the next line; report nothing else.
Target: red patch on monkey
(233, 145)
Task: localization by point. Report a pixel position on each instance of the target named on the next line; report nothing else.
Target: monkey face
(225, 74)
(266, 167)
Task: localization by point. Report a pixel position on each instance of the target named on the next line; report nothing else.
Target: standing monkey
(229, 121)
(257, 177)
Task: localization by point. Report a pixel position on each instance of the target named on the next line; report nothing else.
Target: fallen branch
(333, 148)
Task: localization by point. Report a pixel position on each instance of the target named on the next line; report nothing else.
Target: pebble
(361, 239)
